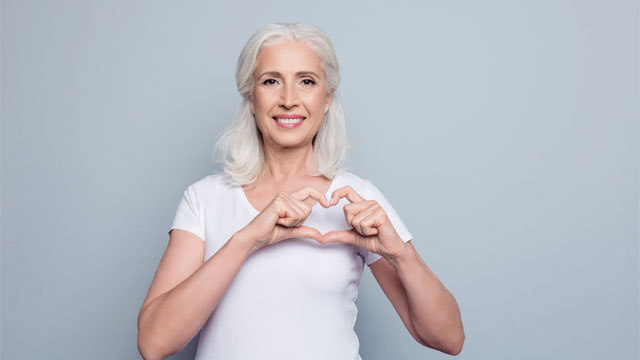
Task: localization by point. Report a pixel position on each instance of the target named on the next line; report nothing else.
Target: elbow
(149, 346)
(149, 349)
(455, 347)
(146, 351)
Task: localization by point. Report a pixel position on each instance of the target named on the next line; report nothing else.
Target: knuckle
(349, 219)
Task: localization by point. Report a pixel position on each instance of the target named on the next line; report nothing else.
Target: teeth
(289, 121)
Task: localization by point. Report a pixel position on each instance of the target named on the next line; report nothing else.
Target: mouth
(289, 122)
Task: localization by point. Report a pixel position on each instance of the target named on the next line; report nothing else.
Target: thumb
(302, 231)
(345, 236)
(352, 237)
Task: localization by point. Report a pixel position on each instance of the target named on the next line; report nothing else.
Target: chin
(290, 141)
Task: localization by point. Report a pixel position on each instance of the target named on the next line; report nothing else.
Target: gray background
(505, 134)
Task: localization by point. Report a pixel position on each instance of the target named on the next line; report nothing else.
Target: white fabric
(290, 300)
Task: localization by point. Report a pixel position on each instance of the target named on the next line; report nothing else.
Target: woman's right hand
(283, 217)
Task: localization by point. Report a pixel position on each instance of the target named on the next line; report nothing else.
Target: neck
(283, 164)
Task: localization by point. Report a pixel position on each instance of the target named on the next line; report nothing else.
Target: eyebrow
(277, 74)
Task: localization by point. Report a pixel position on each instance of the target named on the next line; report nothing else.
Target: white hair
(240, 147)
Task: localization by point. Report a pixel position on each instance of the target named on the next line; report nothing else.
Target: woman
(240, 264)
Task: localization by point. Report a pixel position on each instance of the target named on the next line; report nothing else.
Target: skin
(428, 310)
(183, 293)
(426, 307)
(280, 87)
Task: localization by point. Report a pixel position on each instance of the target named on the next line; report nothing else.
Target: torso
(291, 300)
(263, 191)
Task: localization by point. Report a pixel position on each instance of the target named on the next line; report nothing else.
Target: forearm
(434, 311)
(169, 322)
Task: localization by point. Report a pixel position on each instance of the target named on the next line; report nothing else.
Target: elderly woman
(266, 256)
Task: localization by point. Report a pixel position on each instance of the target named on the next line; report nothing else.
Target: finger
(302, 231)
(364, 222)
(353, 209)
(300, 216)
(350, 215)
(348, 192)
(357, 221)
(288, 221)
(287, 215)
(344, 236)
(304, 207)
(309, 192)
(353, 238)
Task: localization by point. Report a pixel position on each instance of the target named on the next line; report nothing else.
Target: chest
(260, 195)
(293, 265)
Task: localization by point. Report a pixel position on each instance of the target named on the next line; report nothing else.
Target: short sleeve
(189, 215)
(371, 192)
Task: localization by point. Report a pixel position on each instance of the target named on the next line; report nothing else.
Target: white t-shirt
(291, 300)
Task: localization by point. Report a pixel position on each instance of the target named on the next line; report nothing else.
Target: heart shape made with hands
(371, 228)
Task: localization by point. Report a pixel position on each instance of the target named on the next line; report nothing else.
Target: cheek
(316, 102)
(263, 102)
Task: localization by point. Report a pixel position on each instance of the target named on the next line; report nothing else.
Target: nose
(289, 96)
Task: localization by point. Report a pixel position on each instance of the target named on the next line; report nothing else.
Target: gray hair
(240, 148)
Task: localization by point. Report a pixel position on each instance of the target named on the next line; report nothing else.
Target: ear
(251, 104)
(328, 100)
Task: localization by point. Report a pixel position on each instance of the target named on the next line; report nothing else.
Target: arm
(426, 307)
(184, 291)
(182, 296)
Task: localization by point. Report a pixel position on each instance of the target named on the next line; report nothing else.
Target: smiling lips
(289, 121)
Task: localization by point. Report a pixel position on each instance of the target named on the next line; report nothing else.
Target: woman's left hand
(372, 229)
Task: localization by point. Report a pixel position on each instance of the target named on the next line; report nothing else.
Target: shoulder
(363, 186)
(211, 183)
(210, 192)
(359, 184)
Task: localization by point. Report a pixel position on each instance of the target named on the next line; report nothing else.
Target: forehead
(288, 56)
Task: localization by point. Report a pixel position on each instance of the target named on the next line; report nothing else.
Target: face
(289, 97)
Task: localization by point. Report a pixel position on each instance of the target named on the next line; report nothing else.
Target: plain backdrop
(505, 134)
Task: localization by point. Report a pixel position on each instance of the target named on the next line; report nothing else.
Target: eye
(269, 82)
(308, 81)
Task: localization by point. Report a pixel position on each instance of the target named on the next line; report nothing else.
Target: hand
(282, 218)
(372, 229)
